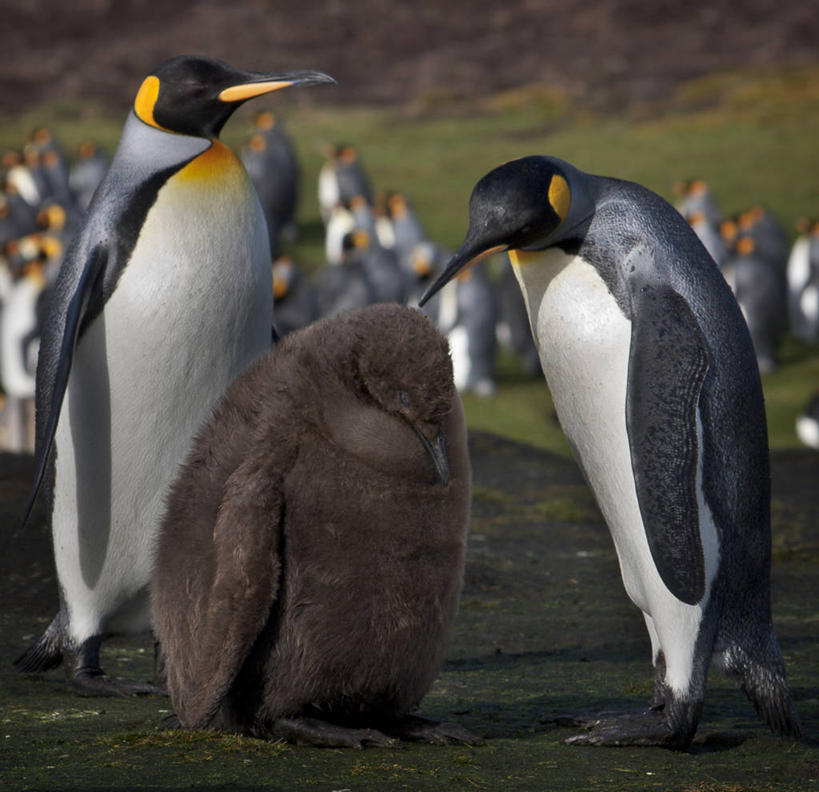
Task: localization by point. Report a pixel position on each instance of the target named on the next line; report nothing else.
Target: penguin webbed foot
(323, 734)
(89, 682)
(416, 729)
(644, 727)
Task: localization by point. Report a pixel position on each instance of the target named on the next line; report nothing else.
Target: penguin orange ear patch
(560, 196)
(146, 99)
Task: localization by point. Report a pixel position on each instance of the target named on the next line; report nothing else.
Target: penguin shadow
(553, 712)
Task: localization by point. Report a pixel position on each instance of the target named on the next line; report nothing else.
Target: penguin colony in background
(774, 287)
(311, 558)
(377, 251)
(164, 297)
(652, 373)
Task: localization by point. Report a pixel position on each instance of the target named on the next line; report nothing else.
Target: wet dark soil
(544, 628)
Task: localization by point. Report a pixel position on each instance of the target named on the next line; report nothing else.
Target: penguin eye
(404, 399)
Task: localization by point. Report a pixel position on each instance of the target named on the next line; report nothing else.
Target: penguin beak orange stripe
(238, 93)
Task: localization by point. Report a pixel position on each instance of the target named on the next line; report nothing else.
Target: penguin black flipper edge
(77, 308)
(668, 361)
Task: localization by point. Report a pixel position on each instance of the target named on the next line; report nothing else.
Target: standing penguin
(467, 316)
(163, 298)
(760, 288)
(311, 558)
(271, 163)
(654, 379)
(807, 423)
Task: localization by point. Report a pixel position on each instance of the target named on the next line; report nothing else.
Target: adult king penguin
(654, 379)
(164, 297)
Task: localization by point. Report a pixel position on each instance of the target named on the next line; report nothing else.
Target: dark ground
(601, 52)
(544, 627)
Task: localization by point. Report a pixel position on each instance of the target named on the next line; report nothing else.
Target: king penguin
(654, 379)
(164, 297)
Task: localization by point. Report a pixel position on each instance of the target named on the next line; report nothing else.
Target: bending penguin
(311, 558)
(654, 379)
(164, 297)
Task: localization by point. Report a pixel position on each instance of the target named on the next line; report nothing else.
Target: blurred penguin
(420, 268)
(295, 303)
(22, 319)
(345, 285)
(467, 317)
(803, 283)
(339, 224)
(513, 330)
(760, 289)
(342, 176)
(20, 178)
(271, 162)
(406, 227)
(87, 171)
(710, 236)
(380, 263)
(807, 423)
(770, 241)
(695, 197)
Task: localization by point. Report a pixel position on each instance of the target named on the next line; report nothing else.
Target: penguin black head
(194, 95)
(524, 204)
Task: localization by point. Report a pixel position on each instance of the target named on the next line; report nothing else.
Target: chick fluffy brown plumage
(310, 563)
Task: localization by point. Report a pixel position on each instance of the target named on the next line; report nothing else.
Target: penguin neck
(145, 150)
(535, 270)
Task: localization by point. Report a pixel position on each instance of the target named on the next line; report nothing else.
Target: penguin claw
(418, 729)
(312, 731)
(88, 683)
(645, 727)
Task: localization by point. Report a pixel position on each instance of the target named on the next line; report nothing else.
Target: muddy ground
(544, 628)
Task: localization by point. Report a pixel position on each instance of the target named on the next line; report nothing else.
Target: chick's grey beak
(437, 450)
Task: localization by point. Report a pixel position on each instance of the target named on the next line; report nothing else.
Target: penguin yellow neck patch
(214, 163)
(560, 196)
(146, 101)
(522, 258)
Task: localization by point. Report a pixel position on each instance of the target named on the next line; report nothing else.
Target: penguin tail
(46, 652)
(762, 679)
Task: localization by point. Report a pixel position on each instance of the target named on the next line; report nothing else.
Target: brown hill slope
(600, 51)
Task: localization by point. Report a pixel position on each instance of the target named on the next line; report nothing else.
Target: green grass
(752, 134)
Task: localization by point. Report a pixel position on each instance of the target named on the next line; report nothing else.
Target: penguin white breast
(807, 429)
(798, 269)
(191, 309)
(584, 341)
(17, 319)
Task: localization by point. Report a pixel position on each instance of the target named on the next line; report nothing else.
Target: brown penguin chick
(310, 562)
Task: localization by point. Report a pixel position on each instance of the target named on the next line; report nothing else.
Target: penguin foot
(312, 731)
(93, 682)
(416, 729)
(645, 727)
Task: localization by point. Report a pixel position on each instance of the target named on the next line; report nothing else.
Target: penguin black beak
(470, 253)
(437, 450)
(267, 83)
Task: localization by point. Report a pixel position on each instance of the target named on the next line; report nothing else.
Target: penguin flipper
(668, 362)
(238, 598)
(75, 311)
